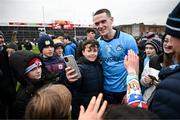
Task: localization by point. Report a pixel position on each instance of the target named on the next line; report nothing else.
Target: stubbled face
(103, 23)
(90, 53)
(48, 51)
(91, 36)
(150, 50)
(167, 45)
(35, 74)
(1, 40)
(176, 44)
(59, 51)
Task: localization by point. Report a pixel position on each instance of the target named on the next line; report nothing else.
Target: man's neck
(110, 35)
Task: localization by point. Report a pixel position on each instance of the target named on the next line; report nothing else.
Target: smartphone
(71, 62)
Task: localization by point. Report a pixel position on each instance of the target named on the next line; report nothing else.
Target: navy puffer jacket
(167, 96)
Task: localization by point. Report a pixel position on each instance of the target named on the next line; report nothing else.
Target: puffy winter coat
(90, 84)
(19, 61)
(166, 99)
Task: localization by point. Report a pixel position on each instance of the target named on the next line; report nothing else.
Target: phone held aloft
(71, 62)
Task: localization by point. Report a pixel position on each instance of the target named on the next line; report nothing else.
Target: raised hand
(94, 110)
(131, 62)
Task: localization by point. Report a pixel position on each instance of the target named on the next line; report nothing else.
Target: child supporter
(29, 70)
(59, 49)
(91, 81)
(50, 102)
(53, 63)
(150, 77)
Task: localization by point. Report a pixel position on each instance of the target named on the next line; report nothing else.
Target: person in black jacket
(91, 81)
(166, 99)
(29, 70)
(7, 85)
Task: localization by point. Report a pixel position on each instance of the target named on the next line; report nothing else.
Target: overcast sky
(80, 11)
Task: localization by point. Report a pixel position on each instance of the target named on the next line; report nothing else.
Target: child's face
(59, 51)
(150, 50)
(90, 53)
(35, 74)
(91, 36)
(48, 51)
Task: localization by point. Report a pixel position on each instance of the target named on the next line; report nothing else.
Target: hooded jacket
(18, 62)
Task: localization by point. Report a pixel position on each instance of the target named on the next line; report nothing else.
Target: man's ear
(112, 19)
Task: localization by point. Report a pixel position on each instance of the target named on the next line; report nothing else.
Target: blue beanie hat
(173, 22)
(45, 41)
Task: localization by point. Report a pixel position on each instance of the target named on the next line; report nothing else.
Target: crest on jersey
(119, 48)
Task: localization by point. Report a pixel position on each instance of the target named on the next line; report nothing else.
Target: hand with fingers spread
(131, 62)
(71, 75)
(94, 111)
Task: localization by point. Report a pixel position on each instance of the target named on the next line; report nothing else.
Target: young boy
(91, 81)
(53, 63)
(29, 70)
(50, 102)
(59, 49)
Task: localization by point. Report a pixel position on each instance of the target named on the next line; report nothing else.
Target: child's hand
(93, 112)
(71, 75)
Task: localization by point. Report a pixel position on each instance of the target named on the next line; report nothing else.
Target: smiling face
(103, 23)
(167, 45)
(90, 53)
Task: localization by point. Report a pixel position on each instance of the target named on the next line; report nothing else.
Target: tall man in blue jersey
(114, 46)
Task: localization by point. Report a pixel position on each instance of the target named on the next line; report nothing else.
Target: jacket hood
(18, 62)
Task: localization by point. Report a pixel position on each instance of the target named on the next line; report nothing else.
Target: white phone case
(71, 62)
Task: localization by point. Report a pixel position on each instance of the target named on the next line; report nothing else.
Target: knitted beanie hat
(45, 41)
(156, 44)
(33, 63)
(173, 22)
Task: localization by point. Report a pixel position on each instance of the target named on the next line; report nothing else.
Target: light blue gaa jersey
(112, 53)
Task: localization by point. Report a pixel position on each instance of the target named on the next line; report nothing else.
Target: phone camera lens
(66, 59)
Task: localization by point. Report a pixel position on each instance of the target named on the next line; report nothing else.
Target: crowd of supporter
(135, 79)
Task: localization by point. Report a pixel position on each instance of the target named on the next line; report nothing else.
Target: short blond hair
(51, 102)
